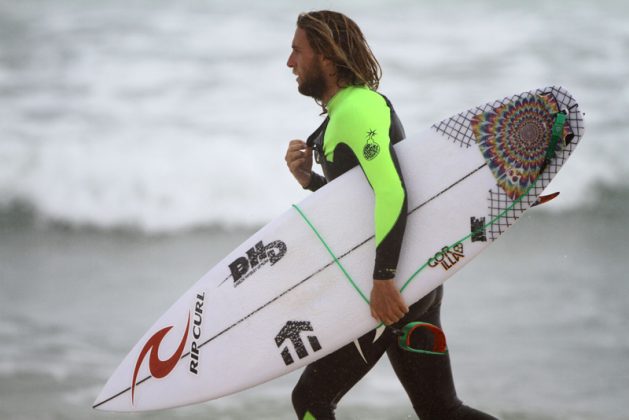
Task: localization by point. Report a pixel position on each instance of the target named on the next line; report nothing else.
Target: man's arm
(366, 132)
(387, 304)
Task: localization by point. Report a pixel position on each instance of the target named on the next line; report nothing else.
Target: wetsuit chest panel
(360, 130)
(341, 159)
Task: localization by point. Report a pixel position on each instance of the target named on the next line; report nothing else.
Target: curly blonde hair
(339, 39)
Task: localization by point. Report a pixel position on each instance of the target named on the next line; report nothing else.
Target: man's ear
(328, 67)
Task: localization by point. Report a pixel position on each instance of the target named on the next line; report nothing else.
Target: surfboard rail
(468, 178)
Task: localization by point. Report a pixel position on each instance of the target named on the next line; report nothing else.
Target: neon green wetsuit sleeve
(360, 121)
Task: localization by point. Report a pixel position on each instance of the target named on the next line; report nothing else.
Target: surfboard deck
(280, 301)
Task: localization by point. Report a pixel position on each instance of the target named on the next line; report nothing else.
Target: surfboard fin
(379, 332)
(360, 350)
(542, 199)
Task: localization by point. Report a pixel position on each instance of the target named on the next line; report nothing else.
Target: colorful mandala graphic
(513, 139)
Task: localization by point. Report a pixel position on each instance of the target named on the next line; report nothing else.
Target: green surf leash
(336, 260)
(557, 130)
(405, 332)
(439, 346)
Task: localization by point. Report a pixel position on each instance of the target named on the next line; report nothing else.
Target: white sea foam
(118, 116)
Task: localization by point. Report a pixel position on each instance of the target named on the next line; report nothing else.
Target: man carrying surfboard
(335, 66)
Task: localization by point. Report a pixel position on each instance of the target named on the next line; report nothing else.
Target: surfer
(335, 66)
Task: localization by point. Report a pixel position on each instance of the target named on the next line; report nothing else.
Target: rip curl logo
(158, 368)
(371, 149)
(196, 334)
(447, 257)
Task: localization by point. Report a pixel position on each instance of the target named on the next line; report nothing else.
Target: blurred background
(141, 141)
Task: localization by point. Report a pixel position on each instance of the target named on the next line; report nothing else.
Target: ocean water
(141, 141)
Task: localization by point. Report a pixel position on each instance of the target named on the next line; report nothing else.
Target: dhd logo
(256, 257)
(291, 333)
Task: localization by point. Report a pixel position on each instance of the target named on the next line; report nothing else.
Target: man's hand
(387, 304)
(299, 161)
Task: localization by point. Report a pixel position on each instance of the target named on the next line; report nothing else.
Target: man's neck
(329, 94)
(333, 87)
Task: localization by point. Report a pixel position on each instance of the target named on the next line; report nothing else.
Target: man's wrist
(308, 178)
(316, 182)
(384, 273)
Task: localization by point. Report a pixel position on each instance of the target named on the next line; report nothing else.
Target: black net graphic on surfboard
(513, 135)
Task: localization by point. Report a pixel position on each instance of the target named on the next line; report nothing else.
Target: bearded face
(312, 82)
(308, 66)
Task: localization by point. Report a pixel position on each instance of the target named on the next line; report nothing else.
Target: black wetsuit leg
(324, 382)
(427, 379)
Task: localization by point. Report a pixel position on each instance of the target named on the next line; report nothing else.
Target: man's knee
(299, 400)
(310, 405)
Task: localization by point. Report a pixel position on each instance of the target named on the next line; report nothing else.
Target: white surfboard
(296, 290)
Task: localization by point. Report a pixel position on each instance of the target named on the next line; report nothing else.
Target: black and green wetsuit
(360, 129)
